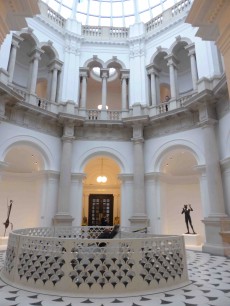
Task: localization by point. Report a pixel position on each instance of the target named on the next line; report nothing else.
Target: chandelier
(102, 178)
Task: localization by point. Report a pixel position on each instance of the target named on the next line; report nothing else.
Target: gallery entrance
(100, 204)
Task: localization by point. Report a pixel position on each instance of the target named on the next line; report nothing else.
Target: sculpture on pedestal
(7, 222)
(188, 221)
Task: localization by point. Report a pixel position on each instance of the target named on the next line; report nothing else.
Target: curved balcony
(71, 260)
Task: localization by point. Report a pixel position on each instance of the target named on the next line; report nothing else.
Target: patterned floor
(210, 285)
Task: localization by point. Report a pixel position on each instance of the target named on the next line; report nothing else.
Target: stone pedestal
(3, 243)
(140, 221)
(62, 220)
(214, 243)
(192, 240)
(226, 241)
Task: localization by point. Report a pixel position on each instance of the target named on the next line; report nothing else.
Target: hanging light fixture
(102, 178)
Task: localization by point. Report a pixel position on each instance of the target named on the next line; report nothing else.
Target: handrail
(80, 265)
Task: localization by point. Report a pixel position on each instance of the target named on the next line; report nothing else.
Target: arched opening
(180, 185)
(164, 92)
(41, 88)
(22, 184)
(22, 70)
(101, 198)
(184, 75)
(164, 80)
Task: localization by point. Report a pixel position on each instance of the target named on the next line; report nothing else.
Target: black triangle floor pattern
(209, 286)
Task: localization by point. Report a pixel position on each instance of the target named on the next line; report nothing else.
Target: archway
(101, 197)
(21, 183)
(180, 185)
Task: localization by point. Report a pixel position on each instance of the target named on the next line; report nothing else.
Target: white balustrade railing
(73, 260)
(93, 114)
(105, 32)
(180, 7)
(164, 18)
(114, 115)
(19, 90)
(154, 23)
(120, 32)
(56, 18)
(92, 31)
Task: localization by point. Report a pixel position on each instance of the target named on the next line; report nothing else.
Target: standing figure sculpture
(7, 222)
(186, 211)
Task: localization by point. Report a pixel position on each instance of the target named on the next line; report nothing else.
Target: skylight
(115, 13)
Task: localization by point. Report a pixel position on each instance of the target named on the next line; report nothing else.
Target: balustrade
(56, 18)
(180, 7)
(70, 259)
(95, 114)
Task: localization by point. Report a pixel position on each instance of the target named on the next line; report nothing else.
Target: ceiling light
(101, 178)
(100, 107)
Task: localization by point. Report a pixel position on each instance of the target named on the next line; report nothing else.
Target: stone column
(139, 217)
(54, 67)
(172, 63)
(58, 85)
(213, 172)
(153, 71)
(216, 206)
(192, 55)
(126, 207)
(154, 202)
(225, 167)
(124, 79)
(84, 74)
(77, 198)
(50, 190)
(104, 76)
(63, 216)
(13, 53)
(35, 56)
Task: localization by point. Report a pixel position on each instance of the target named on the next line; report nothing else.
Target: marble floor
(209, 285)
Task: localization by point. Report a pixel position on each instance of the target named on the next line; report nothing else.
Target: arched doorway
(101, 197)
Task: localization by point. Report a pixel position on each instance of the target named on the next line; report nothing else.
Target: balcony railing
(74, 261)
(121, 33)
(96, 114)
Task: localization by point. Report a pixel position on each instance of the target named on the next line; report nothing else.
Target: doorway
(100, 204)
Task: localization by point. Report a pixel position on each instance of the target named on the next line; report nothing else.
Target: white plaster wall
(223, 136)
(155, 147)
(24, 191)
(5, 51)
(105, 52)
(120, 151)
(184, 82)
(21, 75)
(50, 145)
(176, 195)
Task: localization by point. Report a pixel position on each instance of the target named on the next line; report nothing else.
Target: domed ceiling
(115, 13)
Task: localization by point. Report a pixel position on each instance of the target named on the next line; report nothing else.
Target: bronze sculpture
(7, 222)
(188, 220)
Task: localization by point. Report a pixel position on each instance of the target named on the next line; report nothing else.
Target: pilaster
(139, 217)
(63, 216)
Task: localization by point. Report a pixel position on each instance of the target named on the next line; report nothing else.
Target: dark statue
(186, 211)
(7, 222)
